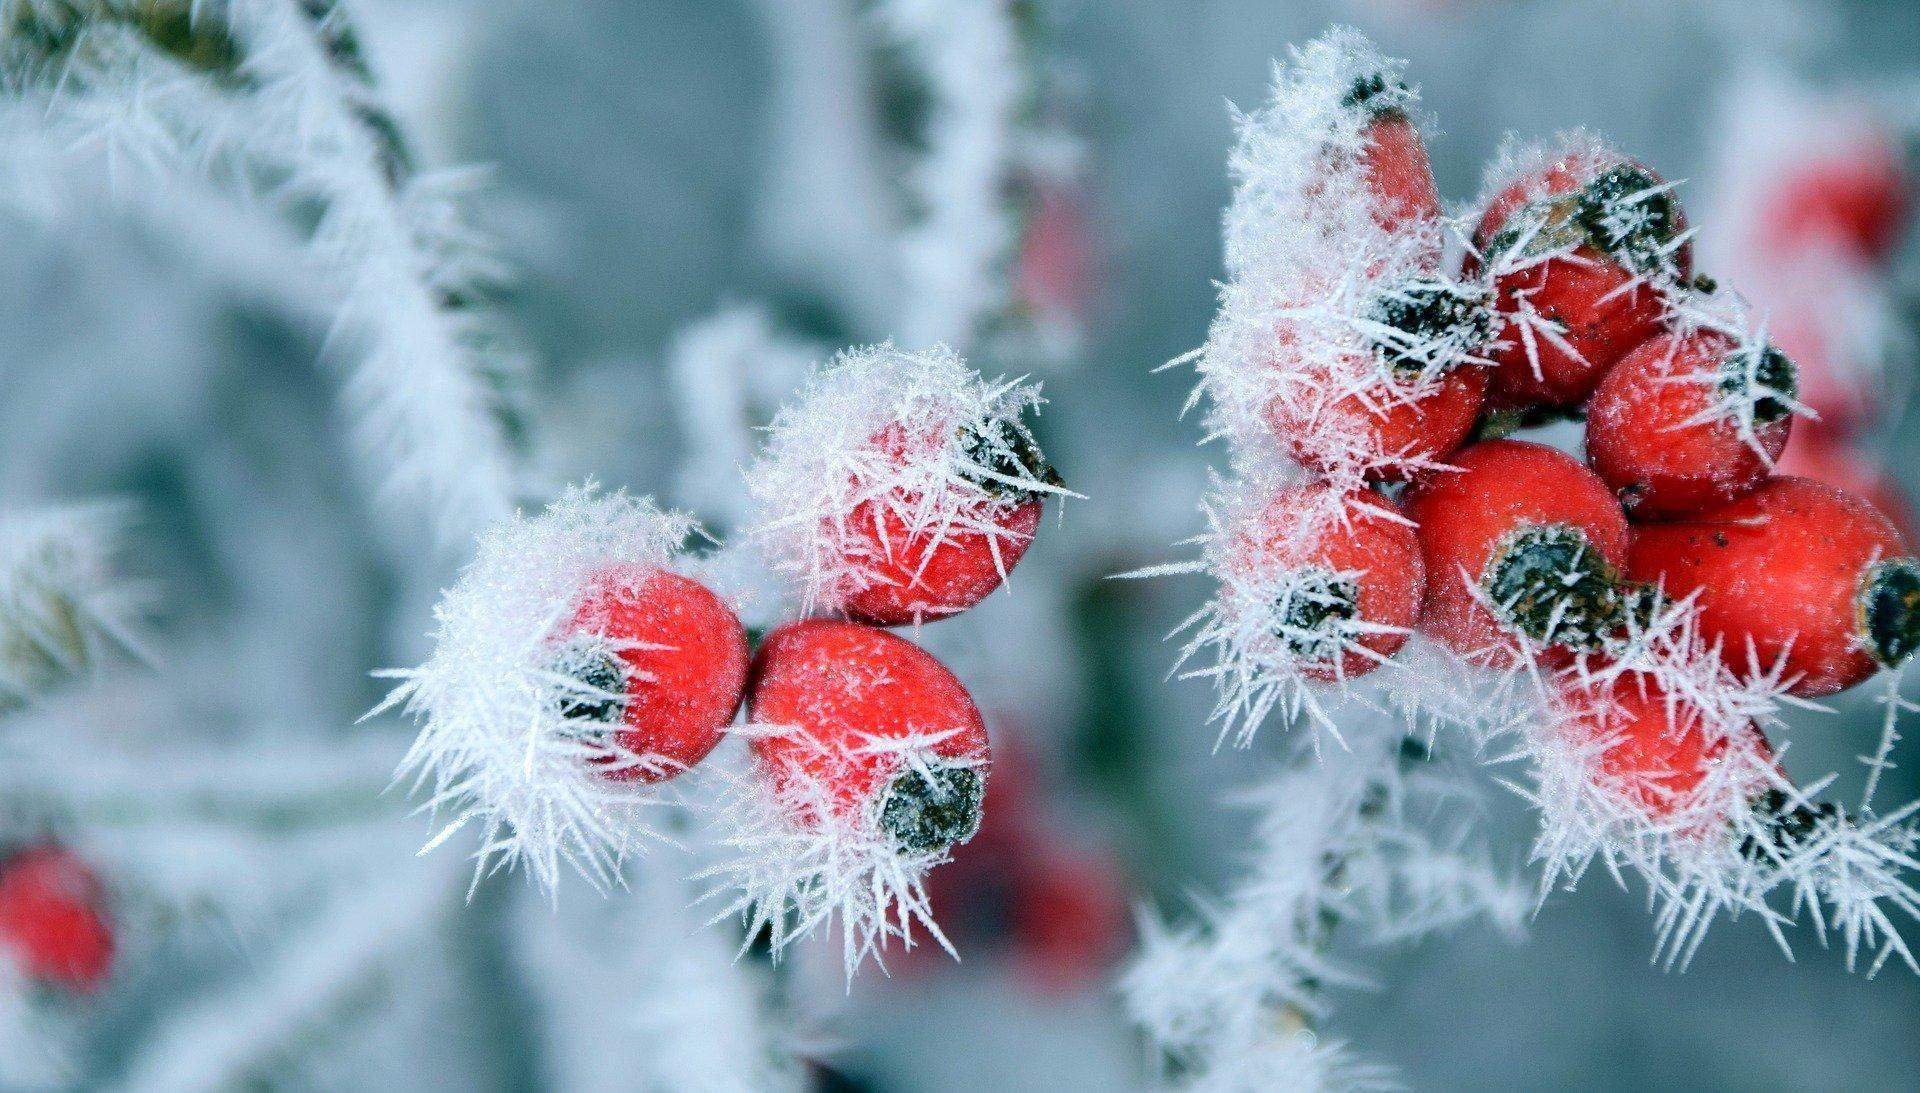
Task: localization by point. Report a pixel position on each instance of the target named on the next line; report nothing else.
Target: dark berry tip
(1770, 379)
(1548, 583)
(1311, 618)
(1890, 606)
(598, 676)
(1005, 449)
(933, 811)
(1786, 825)
(1431, 322)
(1378, 94)
(1630, 215)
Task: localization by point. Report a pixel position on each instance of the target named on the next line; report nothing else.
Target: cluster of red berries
(1512, 553)
(869, 728)
(53, 920)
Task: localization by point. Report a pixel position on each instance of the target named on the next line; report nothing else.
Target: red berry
(1581, 245)
(1522, 542)
(1339, 570)
(1686, 422)
(917, 566)
(52, 919)
(1069, 918)
(684, 666)
(846, 696)
(1398, 172)
(1409, 401)
(926, 573)
(1808, 575)
(1659, 749)
(1857, 200)
(1818, 452)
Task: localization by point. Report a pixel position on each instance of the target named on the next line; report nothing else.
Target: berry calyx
(1547, 582)
(930, 812)
(1522, 548)
(1890, 610)
(53, 921)
(659, 663)
(1431, 325)
(1689, 421)
(868, 729)
(1393, 158)
(1797, 577)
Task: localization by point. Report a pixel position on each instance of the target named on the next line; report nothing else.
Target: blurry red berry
(53, 920)
(1857, 200)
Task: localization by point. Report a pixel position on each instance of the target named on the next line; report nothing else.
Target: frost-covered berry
(663, 670)
(1688, 421)
(1316, 585)
(1580, 243)
(1523, 548)
(1393, 158)
(575, 662)
(1333, 582)
(901, 487)
(1401, 394)
(871, 766)
(1656, 750)
(53, 919)
(1796, 576)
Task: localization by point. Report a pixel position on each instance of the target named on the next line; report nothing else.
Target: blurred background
(691, 201)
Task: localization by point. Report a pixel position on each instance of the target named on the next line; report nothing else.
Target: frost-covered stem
(955, 251)
(421, 387)
(227, 1040)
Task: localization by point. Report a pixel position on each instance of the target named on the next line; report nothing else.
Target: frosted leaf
(503, 742)
(62, 606)
(799, 855)
(880, 441)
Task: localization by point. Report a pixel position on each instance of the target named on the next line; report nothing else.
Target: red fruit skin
(1585, 293)
(52, 919)
(682, 691)
(921, 576)
(1599, 318)
(1371, 541)
(843, 683)
(1398, 172)
(1658, 756)
(1819, 452)
(1780, 568)
(1644, 441)
(1500, 487)
(1427, 428)
(1857, 201)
